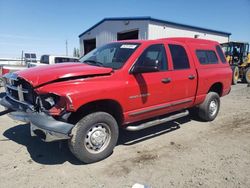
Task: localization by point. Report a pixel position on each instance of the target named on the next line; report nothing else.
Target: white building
(112, 29)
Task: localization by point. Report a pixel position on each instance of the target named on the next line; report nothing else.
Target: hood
(43, 74)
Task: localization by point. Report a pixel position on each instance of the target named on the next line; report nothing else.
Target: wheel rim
(248, 74)
(213, 107)
(236, 75)
(97, 138)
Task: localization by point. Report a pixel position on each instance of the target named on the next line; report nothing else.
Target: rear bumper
(42, 125)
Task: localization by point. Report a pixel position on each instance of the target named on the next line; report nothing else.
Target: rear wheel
(94, 137)
(236, 74)
(209, 109)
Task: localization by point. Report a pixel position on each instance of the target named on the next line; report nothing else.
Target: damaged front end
(46, 113)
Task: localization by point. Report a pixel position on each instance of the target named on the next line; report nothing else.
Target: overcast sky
(43, 26)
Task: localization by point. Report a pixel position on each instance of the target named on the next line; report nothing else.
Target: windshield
(112, 55)
(65, 59)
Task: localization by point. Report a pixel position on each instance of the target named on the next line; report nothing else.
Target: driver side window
(154, 54)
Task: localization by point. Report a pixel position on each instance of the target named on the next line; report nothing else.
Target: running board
(157, 121)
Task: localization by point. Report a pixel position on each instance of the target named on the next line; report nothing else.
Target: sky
(43, 26)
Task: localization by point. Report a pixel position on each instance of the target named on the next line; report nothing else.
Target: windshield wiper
(93, 62)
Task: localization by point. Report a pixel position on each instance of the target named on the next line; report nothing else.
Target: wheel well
(110, 106)
(216, 87)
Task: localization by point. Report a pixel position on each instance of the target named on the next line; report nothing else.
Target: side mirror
(145, 67)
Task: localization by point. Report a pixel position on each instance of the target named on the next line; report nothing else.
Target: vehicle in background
(9, 69)
(30, 58)
(52, 59)
(9, 65)
(238, 56)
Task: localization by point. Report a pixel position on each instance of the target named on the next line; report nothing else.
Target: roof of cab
(192, 40)
(176, 39)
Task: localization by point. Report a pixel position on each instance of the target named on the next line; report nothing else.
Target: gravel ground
(184, 153)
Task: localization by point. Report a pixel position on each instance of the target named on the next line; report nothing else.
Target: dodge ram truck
(131, 84)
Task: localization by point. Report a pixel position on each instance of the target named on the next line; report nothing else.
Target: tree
(76, 52)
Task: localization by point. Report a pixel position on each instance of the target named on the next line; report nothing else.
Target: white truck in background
(29, 60)
(52, 59)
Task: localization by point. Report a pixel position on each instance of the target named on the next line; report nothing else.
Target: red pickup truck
(129, 84)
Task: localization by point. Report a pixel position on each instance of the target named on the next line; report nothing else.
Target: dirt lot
(184, 153)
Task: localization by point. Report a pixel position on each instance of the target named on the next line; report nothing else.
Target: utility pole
(66, 48)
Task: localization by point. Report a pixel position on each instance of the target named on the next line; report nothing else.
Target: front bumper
(42, 125)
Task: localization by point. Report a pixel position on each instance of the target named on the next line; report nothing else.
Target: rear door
(183, 77)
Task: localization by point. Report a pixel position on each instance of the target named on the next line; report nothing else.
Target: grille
(19, 90)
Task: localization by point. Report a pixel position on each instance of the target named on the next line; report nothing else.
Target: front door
(149, 92)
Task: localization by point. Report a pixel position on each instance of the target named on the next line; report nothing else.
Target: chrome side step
(157, 121)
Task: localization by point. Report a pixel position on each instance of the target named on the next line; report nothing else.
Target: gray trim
(48, 123)
(11, 103)
(16, 88)
(160, 107)
(157, 121)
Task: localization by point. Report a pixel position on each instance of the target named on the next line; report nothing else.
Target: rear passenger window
(206, 57)
(179, 57)
(221, 54)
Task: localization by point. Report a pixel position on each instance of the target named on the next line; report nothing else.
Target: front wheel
(236, 74)
(94, 137)
(209, 109)
(246, 77)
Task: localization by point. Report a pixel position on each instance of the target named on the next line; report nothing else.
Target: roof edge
(148, 18)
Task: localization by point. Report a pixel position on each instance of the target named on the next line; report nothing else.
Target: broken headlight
(47, 102)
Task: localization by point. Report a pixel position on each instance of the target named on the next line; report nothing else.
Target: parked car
(52, 59)
(30, 61)
(127, 84)
(4, 69)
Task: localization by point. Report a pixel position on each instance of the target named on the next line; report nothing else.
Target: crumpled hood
(43, 74)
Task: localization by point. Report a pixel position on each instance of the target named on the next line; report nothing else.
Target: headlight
(46, 102)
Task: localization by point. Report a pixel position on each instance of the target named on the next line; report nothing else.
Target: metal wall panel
(157, 30)
(107, 31)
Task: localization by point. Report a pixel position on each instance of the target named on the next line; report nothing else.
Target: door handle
(191, 77)
(166, 80)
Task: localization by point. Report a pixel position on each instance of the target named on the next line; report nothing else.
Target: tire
(246, 77)
(1, 82)
(209, 109)
(93, 128)
(236, 74)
